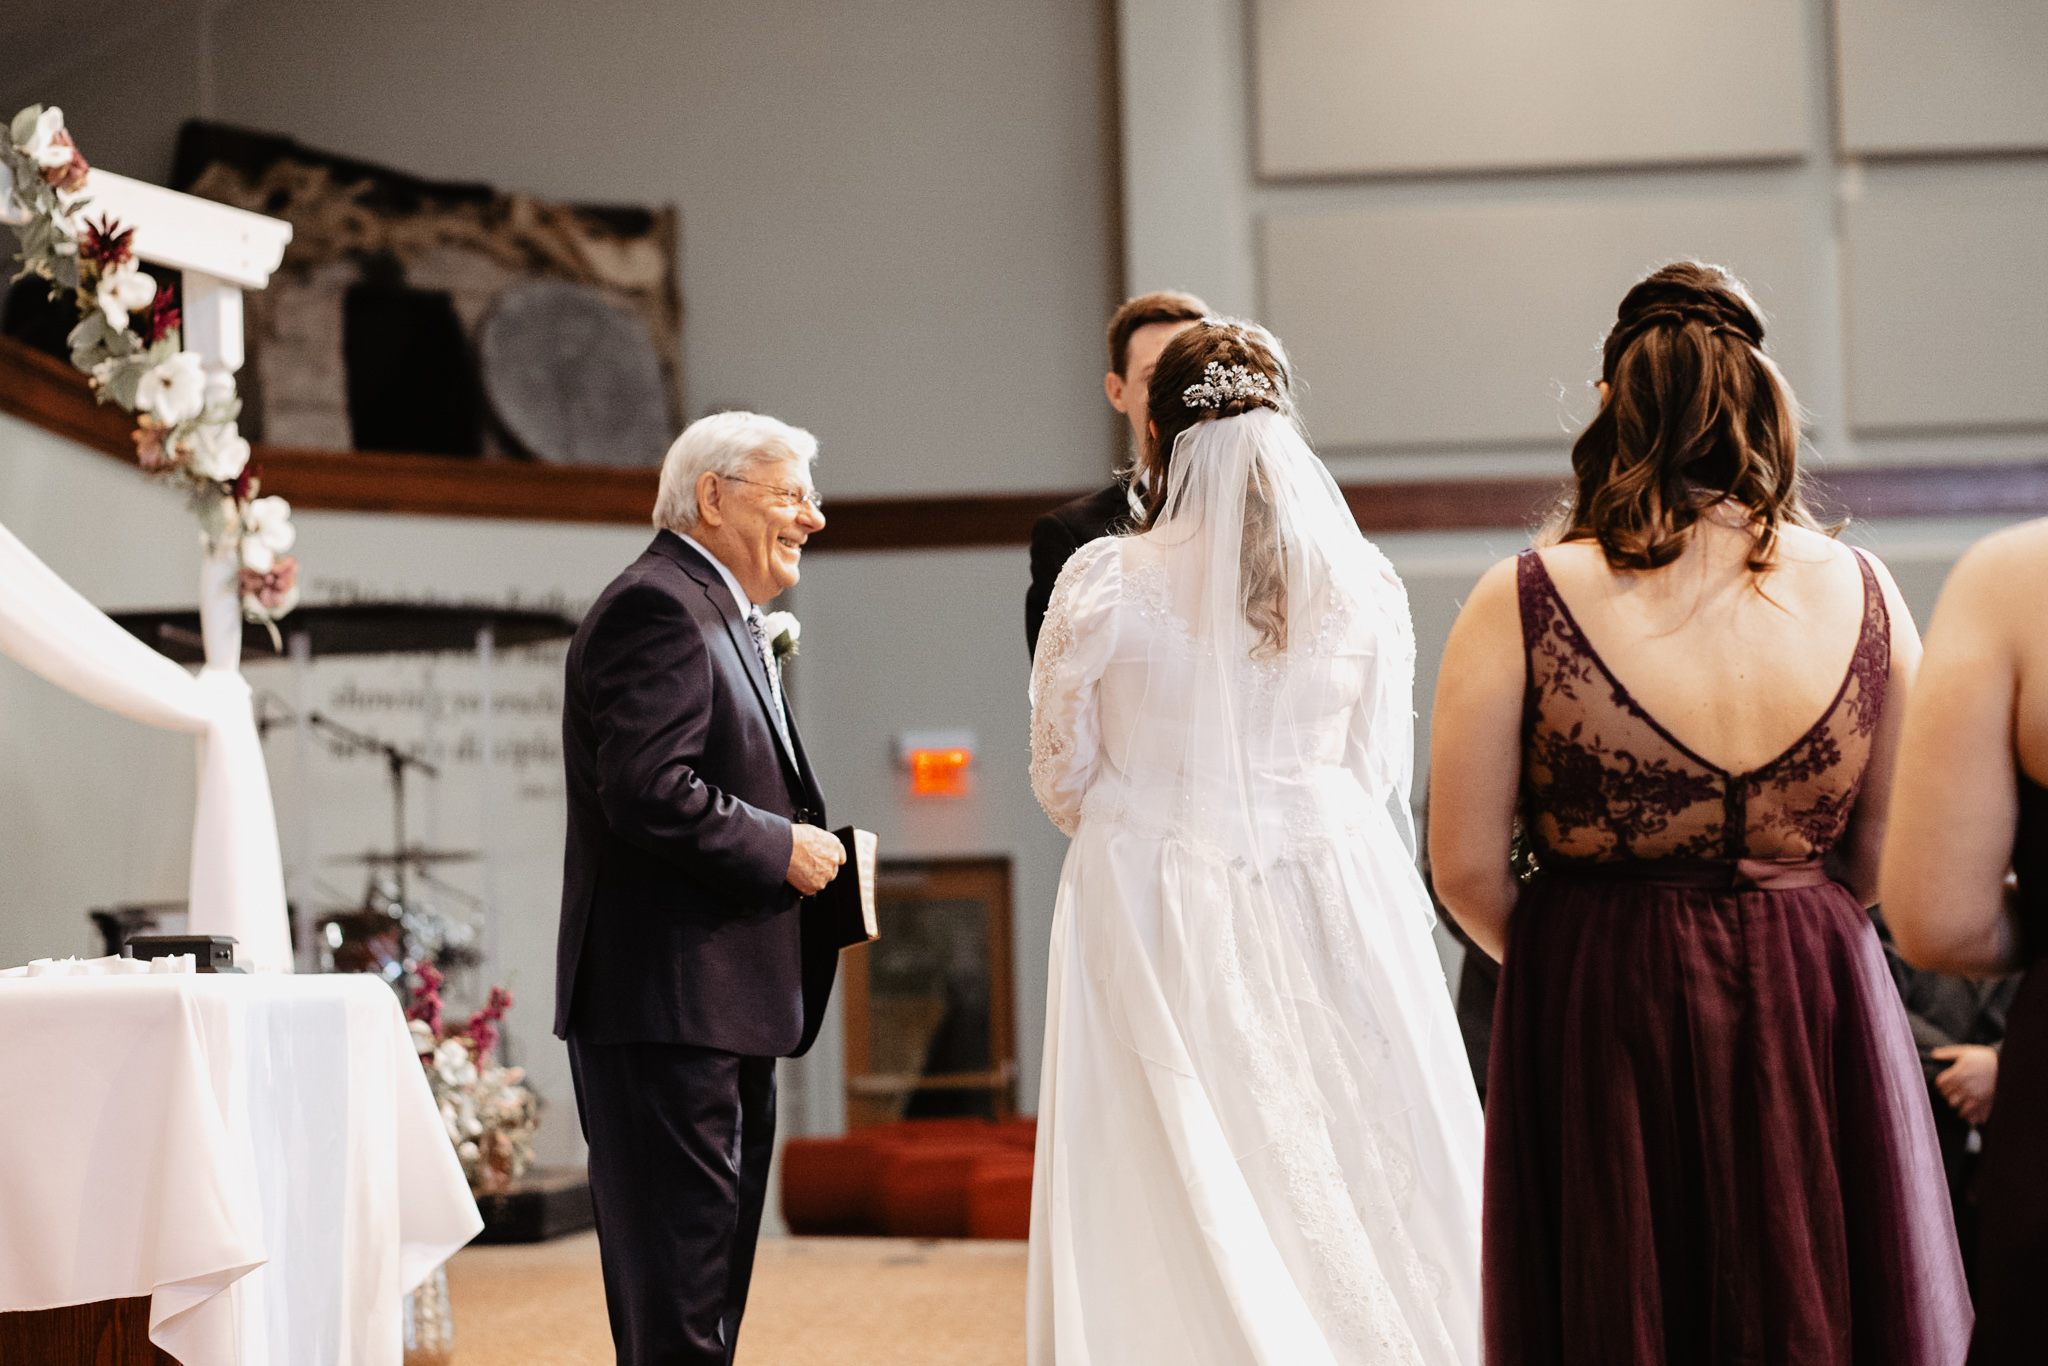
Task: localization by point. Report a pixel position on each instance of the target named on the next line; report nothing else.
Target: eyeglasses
(786, 496)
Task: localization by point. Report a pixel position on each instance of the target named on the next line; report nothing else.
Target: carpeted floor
(815, 1302)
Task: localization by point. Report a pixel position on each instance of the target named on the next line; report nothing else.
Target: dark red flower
(482, 1027)
(163, 316)
(426, 999)
(107, 244)
(247, 482)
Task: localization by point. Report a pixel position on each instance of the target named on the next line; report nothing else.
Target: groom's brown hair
(1160, 306)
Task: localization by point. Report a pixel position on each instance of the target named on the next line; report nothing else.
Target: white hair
(724, 444)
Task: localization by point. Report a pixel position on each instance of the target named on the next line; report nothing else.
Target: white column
(213, 327)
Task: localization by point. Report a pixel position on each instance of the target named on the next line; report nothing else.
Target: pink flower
(54, 153)
(274, 590)
(149, 442)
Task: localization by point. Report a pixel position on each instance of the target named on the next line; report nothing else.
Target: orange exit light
(939, 772)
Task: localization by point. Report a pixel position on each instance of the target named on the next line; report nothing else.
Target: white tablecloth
(259, 1154)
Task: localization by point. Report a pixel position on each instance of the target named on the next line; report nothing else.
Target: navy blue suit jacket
(678, 925)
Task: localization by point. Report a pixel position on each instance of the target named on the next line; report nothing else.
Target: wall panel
(1372, 87)
(1475, 324)
(1962, 75)
(1946, 297)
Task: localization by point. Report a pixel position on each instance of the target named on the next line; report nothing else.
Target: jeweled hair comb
(1225, 384)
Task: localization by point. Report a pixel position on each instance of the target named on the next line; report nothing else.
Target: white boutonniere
(782, 629)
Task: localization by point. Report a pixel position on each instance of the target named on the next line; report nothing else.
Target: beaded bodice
(1603, 781)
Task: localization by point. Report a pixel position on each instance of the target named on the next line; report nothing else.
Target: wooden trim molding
(49, 393)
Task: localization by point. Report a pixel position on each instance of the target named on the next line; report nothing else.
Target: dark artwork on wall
(448, 318)
(411, 385)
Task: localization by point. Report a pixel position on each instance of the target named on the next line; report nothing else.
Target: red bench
(927, 1178)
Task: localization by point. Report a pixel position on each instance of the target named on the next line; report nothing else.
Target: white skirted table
(258, 1154)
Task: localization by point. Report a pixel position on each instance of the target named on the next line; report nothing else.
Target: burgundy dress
(1707, 1139)
(2012, 1183)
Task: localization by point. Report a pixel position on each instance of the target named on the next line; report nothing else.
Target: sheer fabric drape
(237, 879)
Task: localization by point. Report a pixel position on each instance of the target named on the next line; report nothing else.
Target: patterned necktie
(759, 630)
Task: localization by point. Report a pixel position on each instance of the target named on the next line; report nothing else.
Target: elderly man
(687, 962)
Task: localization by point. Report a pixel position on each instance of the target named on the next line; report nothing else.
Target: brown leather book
(848, 901)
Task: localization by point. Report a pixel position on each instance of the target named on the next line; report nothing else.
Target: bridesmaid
(1706, 1136)
(1971, 804)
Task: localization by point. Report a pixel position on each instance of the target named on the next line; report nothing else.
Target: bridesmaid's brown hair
(1696, 415)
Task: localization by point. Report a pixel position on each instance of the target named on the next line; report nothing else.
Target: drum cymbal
(377, 858)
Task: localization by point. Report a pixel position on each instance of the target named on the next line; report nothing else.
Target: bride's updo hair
(1218, 368)
(1184, 365)
(1697, 415)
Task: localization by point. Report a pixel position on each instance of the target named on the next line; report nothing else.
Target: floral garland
(127, 341)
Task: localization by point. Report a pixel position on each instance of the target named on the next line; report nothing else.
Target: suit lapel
(720, 598)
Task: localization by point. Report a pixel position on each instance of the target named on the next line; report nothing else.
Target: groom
(687, 962)
(1138, 332)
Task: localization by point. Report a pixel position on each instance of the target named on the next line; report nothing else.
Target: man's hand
(1971, 1079)
(814, 857)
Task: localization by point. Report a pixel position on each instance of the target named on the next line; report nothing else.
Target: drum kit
(409, 914)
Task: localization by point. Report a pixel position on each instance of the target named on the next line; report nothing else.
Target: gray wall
(1438, 203)
(896, 216)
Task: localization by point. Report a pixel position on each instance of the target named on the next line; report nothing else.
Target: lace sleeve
(1073, 647)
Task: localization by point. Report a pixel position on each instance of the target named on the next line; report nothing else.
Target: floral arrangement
(128, 342)
(489, 1112)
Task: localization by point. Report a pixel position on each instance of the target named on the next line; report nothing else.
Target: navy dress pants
(680, 1140)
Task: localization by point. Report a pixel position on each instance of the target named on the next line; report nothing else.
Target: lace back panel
(1602, 781)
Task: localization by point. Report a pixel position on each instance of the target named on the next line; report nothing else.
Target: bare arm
(1952, 814)
(1475, 760)
(1862, 846)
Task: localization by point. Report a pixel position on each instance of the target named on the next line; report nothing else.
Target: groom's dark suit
(685, 964)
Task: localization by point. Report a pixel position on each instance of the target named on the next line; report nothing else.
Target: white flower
(42, 146)
(124, 288)
(452, 1061)
(174, 390)
(219, 452)
(422, 1037)
(267, 531)
(783, 631)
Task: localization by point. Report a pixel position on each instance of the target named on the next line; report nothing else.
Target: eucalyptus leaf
(24, 125)
(124, 378)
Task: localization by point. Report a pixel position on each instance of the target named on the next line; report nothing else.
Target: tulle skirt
(1258, 1138)
(1708, 1140)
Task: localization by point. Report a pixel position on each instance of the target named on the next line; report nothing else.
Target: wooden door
(930, 1011)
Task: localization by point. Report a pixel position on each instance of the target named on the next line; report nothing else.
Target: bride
(1258, 1137)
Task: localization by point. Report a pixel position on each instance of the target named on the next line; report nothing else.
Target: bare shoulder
(1496, 589)
(1573, 564)
(2005, 564)
(1492, 611)
(2000, 582)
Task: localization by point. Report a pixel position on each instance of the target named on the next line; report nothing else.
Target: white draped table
(259, 1154)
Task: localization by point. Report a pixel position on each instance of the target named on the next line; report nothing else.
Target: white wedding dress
(1258, 1137)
